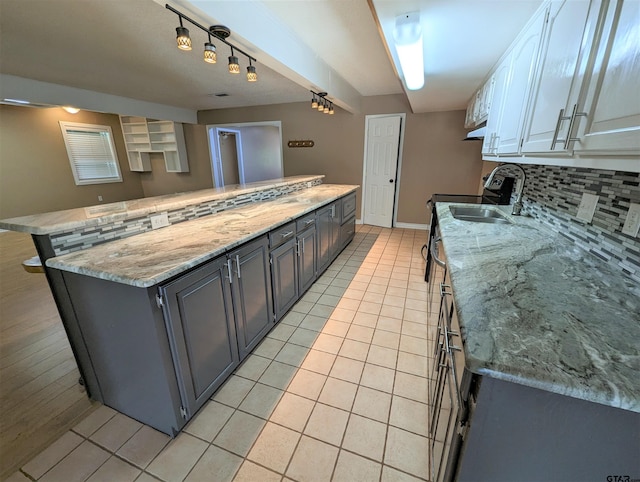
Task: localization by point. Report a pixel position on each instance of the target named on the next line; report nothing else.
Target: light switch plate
(159, 220)
(587, 207)
(632, 223)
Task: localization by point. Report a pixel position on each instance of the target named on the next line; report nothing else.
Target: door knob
(391, 180)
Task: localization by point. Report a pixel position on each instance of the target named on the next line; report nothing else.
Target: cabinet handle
(443, 290)
(286, 235)
(555, 140)
(303, 245)
(238, 265)
(230, 278)
(298, 248)
(439, 262)
(574, 114)
(310, 221)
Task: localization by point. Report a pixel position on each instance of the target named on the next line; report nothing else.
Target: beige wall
(36, 177)
(434, 159)
(159, 181)
(35, 174)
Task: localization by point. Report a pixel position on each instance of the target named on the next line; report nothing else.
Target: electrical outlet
(587, 207)
(632, 223)
(99, 198)
(159, 220)
(309, 184)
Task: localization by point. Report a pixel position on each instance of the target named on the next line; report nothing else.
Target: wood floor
(40, 398)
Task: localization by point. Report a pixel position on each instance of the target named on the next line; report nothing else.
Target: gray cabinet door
(325, 225)
(306, 259)
(251, 290)
(199, 320)
(284, 274)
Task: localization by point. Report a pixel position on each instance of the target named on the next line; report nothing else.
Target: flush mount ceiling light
(70, 109)
(220, 32)
(407, 35)
(321, 103)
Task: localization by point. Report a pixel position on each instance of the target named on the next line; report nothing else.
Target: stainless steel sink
(478, 214)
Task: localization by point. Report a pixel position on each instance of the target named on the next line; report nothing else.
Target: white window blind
(91, 153)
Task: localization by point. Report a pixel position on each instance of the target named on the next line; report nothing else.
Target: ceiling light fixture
(210, 52)
(182, 37)
(220, 32)
(321, 103)
(407, 35)
(251, 73)
(234, 66)
(71, 110)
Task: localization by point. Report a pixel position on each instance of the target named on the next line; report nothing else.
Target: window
(92, 153)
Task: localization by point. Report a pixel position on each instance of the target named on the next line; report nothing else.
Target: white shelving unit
(145, 136)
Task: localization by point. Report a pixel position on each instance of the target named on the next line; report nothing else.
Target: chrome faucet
(517, 206)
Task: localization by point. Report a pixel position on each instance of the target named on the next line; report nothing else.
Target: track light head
(182, 38)
(251, 74)
(210, 53)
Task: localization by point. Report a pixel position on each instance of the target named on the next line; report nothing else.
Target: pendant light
(251, 73)
(234, 67)
(182, 37)
(314, 102)
(210, 52)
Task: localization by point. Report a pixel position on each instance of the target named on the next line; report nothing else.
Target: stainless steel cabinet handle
(310, 221)
(574, 114)
(443, 290)
(555, 140)
(303, 245)
(434, 255)
(287, 234)
(229, 271)
(238, 265)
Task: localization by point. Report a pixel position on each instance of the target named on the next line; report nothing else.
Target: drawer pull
(309, 221)
(286, 235)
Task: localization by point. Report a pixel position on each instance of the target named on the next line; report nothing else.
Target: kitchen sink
(478, 214)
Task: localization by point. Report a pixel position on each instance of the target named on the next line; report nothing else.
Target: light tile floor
(336, 392)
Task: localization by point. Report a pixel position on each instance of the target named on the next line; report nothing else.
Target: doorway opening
(245, 152)
(383, 142)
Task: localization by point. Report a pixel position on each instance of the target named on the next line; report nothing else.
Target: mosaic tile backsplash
(71, 241)
(552, 194)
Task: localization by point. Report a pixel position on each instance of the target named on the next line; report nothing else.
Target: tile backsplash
(553, 194)
(83, 238)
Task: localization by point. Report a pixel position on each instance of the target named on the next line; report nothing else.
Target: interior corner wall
(35, 173)
(435, 159)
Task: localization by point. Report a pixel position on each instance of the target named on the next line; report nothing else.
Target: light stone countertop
(153, 257)
(537, 310)
(69, 219)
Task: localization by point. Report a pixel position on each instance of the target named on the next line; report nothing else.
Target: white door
(380, 169)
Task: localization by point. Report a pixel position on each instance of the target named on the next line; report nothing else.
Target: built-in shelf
(142, 137)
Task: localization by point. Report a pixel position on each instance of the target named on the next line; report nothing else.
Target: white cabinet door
(612, 103)
(524, 59)
(499, 80)
(569, 23)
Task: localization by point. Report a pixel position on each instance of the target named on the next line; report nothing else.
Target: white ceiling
(127, 48)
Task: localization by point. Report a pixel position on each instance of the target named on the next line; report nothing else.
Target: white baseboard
(412, 226)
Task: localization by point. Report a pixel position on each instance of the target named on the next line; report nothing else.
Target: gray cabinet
(249, 272)
(307, 267)
(200, 324)
(284, 276)
(328, 231)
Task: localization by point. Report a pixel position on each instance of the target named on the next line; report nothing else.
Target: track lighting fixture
(182, 37)
(210, 52)
(234, 67)
(220, 32)
(321, 103)
(251, 73)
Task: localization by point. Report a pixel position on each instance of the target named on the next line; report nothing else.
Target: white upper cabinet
(572, 96)
(611, 105)
(553, 98)
(524, 57)
(499, 80)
